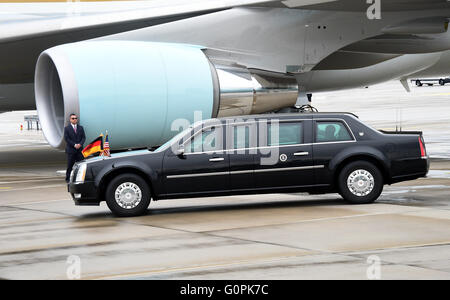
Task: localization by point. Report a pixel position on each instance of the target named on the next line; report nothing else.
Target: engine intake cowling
(135, 90)
(132, 89)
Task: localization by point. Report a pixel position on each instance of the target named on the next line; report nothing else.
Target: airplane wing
(357, 5)
(27, 29)
(20, 21)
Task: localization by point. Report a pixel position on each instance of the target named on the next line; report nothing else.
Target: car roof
(304, 115)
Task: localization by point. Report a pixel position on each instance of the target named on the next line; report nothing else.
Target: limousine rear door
(331, 136)
(285, 159)
(242, 142)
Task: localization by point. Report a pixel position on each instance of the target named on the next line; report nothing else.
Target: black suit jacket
(73, 138)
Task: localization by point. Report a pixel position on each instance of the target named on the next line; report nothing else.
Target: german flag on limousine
(95, 147)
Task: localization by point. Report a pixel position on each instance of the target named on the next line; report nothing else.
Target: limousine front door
(203, 168)
(196, 173)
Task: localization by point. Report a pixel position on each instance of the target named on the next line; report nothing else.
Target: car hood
(118, 155)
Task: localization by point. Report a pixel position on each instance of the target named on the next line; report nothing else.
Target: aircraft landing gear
(306, 107)
(301, 106)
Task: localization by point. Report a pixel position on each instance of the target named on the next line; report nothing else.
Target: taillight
(423, 151)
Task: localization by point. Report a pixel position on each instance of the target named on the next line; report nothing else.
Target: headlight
(72, 175)
(81, 174)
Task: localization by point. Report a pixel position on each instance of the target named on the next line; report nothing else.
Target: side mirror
(180, 151)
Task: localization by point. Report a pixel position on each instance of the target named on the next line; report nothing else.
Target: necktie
(75, 128)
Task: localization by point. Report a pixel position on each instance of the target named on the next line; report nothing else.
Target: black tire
(418, 83)
(366, 193)
(130, 184)
(441, 82)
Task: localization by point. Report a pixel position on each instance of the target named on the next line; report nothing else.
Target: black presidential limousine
(274, 153)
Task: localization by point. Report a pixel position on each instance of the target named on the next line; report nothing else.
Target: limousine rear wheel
(360, 182)
(128, 195)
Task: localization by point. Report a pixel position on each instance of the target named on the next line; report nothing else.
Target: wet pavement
(275, 236)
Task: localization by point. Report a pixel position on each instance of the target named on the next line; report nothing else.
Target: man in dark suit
(75, 138)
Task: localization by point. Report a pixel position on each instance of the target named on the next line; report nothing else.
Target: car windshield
(173, 140)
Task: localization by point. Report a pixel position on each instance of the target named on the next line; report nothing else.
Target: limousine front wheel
(128, 195)
(360, 182)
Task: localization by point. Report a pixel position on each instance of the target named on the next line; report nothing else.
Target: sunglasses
(74, 118)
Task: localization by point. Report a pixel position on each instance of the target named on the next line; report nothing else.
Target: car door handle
(301, 153)
(217, 159)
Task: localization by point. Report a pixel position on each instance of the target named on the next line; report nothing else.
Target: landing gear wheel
(441, 82)
(418, 83)
(128, 195)
(360, 182)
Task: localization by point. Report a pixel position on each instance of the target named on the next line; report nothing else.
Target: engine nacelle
(135, 90)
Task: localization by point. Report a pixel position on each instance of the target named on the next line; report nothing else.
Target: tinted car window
(288, 134)
(206, 141)
(332, 132)
(241, 137)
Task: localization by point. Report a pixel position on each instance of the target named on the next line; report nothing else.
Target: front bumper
(84, 193)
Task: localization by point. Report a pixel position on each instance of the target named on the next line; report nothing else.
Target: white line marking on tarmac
(411, 210)
(31, 180)
(36, 146)
(31, 203)
(27, 141)
(207, 267)
(441, 94)
(32, 188)
(13, 145)
(200, 267)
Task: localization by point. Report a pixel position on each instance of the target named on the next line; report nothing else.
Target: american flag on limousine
(106, 150)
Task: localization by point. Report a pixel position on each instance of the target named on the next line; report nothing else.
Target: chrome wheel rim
(128, 195)
(360, 183)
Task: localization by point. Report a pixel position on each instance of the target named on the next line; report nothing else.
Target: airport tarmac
(275, 236)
